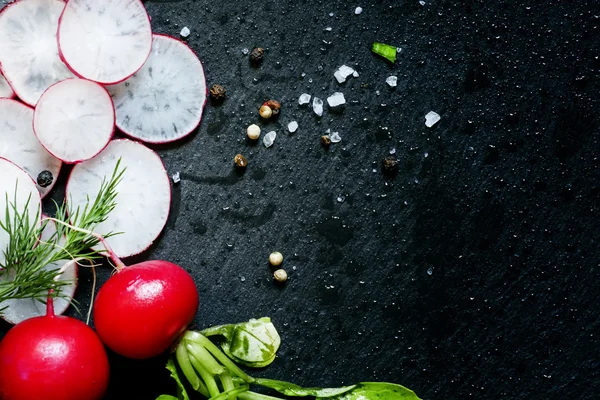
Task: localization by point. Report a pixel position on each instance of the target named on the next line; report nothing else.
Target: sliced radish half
(28, 49)
(143, 196)
(163, 101)
(18, 310)
(105, 41)
(17, 187)
(19, 145)
(74, 119)
(6, 91)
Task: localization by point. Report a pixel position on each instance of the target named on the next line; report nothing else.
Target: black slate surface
(498, 201)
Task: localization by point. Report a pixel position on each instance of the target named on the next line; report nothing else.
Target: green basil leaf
(290, 389)
(377, 391)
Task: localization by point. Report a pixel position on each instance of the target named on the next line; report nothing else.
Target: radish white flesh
(16, 186)
(74, 119)
(6, 91)
(104, 41)
(163, 101)
(19, 145)
(18, 310)
(28, 49)
(143, 196)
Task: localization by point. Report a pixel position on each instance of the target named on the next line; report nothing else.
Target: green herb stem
(218, 354)
(23, 274)
(208, 379)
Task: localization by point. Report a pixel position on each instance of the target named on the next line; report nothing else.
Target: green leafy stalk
(23, 274)
(385, 50)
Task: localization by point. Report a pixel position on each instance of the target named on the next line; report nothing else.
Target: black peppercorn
(217, 92)
(256, 55)
(389, 165)
(45, 179)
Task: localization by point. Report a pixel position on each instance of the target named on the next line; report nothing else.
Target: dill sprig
(23, 274)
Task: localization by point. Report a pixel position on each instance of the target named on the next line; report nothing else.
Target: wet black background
(499, 200)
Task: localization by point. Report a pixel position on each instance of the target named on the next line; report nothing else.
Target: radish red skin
(142, 309)
(52, 358)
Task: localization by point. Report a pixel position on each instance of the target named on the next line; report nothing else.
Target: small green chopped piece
(385, 50)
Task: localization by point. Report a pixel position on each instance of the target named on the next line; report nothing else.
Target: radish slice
(74, 119)
(19, 144)
(6, 91)
(21, 192)
(104, 41)
(18, 310)
(28, 49)
(162, 102)
(143, 196)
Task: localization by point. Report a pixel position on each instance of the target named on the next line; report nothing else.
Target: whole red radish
(52, 358)
(143, 308)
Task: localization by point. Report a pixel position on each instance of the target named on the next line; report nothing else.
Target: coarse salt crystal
(335, 137)
(304, 99)
(317, 106)
(293, 126)
(185, 32)
(392, 81)
(342, 73)
(431, 119)
(269, 139)
(358, 10)
(176, 177)
(336, 99)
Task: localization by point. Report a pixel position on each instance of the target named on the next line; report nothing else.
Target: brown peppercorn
(256, 55)
(240, 161)
(274, 105)
(217, 92)
(389, 166)
(325, 140)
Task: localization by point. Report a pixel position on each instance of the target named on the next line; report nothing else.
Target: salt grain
(269, 139)
(392, 81)
(185, 32)
(304, 99)
(293, 126)
(335, 137)
(431, 119)
(343, 72)
(176, 177)
(317, 106)
(336, 99)
(358, 10)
